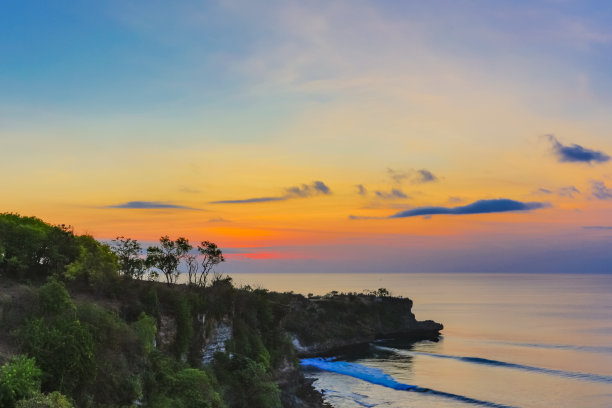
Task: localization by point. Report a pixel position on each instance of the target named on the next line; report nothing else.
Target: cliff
(244, 344)
(322, 325)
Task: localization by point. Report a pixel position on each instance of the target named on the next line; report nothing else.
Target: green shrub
(246, 382)
(52, 400)
(119, 357)
(19, 378)
(96, 264)
(64, 349)
(54, 298)
(146, 329)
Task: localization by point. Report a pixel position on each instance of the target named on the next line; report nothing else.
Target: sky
(318, 136)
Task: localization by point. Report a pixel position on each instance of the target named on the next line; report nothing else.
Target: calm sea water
(510, 340)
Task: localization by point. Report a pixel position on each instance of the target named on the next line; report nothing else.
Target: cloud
(397, 176)
(576, 153)
(218, 219)
(600, 191)
(424, 176)
(361, 190)
(598, 227)
(568, 191)
(151, 205)
(189, 190)
(478, 207)
(391, 195)
(250, 200)
(415, 176)
(453, 199)
(305, 190)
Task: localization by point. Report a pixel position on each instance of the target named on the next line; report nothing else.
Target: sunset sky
(318, 136)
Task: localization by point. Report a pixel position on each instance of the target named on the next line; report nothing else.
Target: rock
(215, 342)
(320, 326)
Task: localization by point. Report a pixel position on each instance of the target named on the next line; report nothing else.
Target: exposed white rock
(216, 341)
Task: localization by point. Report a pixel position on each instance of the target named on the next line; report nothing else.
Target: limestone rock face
(215, 341)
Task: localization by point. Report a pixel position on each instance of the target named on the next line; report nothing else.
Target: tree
(128, 252)
(211, 256)
(32, 248)
(96, 264)
(168, 256)
(192, 268)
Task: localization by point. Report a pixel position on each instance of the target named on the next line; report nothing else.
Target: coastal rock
(319, 326)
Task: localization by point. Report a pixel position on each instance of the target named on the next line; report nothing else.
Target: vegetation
(86, 329)
(92, 332)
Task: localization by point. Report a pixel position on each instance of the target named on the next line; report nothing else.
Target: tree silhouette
(168, 256)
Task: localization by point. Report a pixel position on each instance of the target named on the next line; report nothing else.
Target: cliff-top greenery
(81, 326)
(90, 324)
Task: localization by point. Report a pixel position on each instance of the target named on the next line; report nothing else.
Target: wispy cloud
(397, 176)
(601, 191)
(305, 190)
(189, 190)
(152, 205)
(568, 191)
(478, 207)
(361, 190)
(598, 227)
(218, 219)
(576, 153)
(395, 193)
(414, 176)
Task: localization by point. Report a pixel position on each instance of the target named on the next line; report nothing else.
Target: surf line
(379, 377)
(497, 363)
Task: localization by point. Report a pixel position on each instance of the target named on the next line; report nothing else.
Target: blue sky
(213, 105)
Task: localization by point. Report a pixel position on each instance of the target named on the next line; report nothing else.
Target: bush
(54, 298)
(19, 378)
(146, 329)
(53, 400)
(64, 349)
(96, 264)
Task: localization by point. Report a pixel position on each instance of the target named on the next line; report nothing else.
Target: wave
(586, 349)
(379, 377)
(497, 363)
(359, 399)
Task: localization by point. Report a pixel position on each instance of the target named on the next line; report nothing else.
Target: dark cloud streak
(576, 153)
(478, 207)
(303, 191)
(151, 205)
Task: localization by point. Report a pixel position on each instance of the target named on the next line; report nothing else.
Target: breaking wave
(379, 377)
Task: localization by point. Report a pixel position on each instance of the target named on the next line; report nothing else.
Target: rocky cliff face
(215, 341)
(319, 326)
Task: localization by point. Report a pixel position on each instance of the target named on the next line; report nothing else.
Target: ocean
(509, 340)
